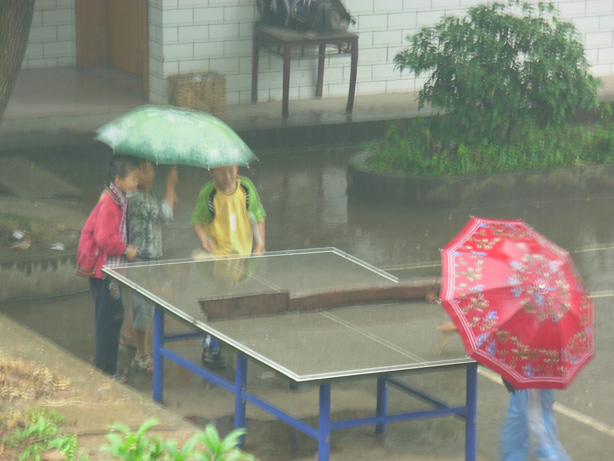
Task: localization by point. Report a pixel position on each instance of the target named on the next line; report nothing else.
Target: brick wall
(52, 36)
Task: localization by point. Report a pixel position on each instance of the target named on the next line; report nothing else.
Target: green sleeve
(254, 205)
(201, 213)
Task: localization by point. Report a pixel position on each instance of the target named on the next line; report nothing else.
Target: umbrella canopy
(170, 135)
(518, 303)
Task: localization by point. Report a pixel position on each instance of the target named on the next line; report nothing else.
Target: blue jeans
(530, 423)
(109, 316)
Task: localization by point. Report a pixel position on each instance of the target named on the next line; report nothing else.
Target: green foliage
(127, 445)
(425, 148)
(500, 66)
(33, 414)
(42, 433)
(203, 446)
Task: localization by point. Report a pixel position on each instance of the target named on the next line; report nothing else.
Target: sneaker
(213, 360)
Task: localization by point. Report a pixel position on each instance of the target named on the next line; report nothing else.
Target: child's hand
(206, 244)
(131, 253)
(172, 179)
(258, 249)
(171, 198)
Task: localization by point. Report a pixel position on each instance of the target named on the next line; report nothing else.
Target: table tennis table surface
(357, 340)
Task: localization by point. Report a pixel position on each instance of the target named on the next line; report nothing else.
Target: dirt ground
(40, 224)
(36, 373)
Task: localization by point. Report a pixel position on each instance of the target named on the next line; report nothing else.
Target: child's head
(147, 174)
(225, 178)
(124, 173)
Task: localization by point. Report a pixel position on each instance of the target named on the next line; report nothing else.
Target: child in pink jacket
(104, 242)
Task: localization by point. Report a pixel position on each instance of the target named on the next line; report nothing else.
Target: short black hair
(121, 165)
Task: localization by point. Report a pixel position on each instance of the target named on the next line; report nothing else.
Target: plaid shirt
(145, 218)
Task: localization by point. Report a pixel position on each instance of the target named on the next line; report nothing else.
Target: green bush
(42, 433)
(501, 66)
(203, 446)
(507, 80)
(422, 148)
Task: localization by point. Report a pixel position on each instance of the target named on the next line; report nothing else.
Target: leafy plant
(40, 434)
(127, 445)
(422, 148)
(203, 446)
(508, 79)
(500, 66)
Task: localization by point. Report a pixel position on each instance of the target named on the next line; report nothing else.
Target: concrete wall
(201, 36)
(52, 36)
(216, 35)
(45, 277)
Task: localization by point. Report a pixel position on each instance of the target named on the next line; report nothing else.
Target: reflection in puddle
(271, 439)
(275, 440)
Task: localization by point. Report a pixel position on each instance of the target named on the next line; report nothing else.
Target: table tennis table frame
(321, 433)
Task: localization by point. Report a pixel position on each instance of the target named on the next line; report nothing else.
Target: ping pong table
(381, 339)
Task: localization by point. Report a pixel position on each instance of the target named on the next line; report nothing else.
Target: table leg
(324, 423)
(240, 383)
(382, 403)
(353, 72)
(320, 82)
(472, 411)
(158, 360)
(286, 81)
(255, 52)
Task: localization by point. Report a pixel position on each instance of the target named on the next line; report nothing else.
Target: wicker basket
(204, 91)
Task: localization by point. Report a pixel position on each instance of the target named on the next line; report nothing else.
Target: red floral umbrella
(518, 303)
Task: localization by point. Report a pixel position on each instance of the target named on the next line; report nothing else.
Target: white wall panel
(216, 35)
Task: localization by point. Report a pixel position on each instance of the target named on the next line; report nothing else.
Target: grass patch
(37, 431)
(425, 147)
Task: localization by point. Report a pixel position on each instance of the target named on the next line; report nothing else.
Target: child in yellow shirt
(229, 220)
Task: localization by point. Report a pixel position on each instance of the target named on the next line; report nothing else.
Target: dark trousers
(109, 316)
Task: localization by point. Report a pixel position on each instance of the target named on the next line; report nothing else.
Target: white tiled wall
(215, 35)
(52, 36)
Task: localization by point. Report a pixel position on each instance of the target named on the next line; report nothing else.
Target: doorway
(112, 38)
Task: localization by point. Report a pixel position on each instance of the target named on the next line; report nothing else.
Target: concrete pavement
(64, 105)
(38, 124)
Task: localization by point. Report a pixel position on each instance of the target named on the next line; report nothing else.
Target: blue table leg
(324, 423)
(158, 360)
(240, 384)
(382, 403)
(472, 413)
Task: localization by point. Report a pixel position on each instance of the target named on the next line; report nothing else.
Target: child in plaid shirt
(145, 218)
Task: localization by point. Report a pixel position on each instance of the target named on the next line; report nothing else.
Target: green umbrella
(175, 136)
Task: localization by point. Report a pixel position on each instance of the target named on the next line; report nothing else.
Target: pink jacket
(100, 237)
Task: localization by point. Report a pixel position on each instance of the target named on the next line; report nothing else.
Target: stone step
(23, 178)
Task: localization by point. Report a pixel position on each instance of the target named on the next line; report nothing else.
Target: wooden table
(280, 41)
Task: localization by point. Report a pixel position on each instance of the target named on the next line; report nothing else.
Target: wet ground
(304, 193)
